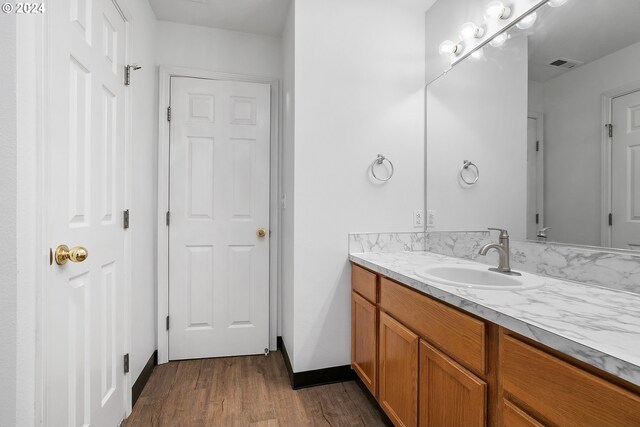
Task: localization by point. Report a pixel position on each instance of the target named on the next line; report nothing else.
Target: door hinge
(610, 128)
(537, 218)
(168, 218)
(537, 145)
(125, 219)
(610, 219)
(169, 113)
(167, 323)
(126, 363)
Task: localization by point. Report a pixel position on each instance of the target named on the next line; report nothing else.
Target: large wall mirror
(547, 118)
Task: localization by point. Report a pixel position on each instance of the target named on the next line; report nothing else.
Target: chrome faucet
(503, 249)
(542, 234)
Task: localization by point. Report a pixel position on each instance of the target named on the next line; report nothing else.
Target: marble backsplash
(612, 269)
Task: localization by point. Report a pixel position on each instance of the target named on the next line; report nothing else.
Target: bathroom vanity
(532, 125)
(556, 354)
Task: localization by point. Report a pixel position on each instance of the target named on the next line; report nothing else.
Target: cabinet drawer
(562, 394)
(364, 282)
(460, 336)
(512, 416)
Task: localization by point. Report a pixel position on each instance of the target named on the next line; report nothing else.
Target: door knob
(75, 254)
(261, 232)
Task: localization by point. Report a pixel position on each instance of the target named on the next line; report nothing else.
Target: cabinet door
(398, 389)
(364, 343)
(449, 394)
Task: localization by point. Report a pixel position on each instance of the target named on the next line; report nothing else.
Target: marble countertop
(598, 326)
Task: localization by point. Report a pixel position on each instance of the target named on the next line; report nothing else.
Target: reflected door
(85, 154)
(625, 175)
(219, 200)
(535, 180)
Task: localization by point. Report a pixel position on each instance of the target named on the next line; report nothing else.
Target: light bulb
(448, 47)
(557, 3)
(471, 30)
(527, 21)
(497, 10)
(478, 54)
(499, 40)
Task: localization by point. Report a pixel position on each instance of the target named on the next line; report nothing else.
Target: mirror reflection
(552, 120)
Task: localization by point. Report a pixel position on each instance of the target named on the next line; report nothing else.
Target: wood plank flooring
(251, 391)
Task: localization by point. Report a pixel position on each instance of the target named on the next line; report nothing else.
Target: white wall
(478, 112)
(8, 206)
(535, 97)
(573, 129)
(143, 91)
(287, 255)
(214, 49)
(359, 89)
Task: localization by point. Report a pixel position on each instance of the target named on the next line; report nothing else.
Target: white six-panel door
(84, 303)
(219, 199)
(625, 176)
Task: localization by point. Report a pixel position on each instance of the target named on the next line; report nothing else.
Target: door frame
(606, 157)
(164, 93)
(33, 230)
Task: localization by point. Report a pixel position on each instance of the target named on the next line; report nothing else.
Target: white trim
(164, 96)
(33, 258)
(607, 100)
(128, 180)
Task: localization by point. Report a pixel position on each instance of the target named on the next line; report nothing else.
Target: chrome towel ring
(476, 172)
(379, 161)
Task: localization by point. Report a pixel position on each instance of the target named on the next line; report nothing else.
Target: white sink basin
(477, 277)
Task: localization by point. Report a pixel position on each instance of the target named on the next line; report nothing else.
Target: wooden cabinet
(434, 365)
(449, 394)
(561, 394)
(455, 333)
(398, 389)
(364, 341)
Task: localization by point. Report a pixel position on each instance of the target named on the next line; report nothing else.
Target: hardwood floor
(251, 391)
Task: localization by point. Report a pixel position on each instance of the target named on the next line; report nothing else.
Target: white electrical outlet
(418, 218)
(431, 219)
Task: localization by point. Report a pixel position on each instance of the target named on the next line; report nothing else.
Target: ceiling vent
(565, 63)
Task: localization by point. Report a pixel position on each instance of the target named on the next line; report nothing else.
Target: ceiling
(582, 30)
(252, 16)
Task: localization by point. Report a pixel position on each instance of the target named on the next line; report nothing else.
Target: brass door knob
(75, 254)
(262, 232)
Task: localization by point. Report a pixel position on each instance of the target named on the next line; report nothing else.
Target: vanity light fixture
(470, 31)
(557, 3)
(499, 40)
(527, 21)
(448, 47)
(497, 10)
(478, 54)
